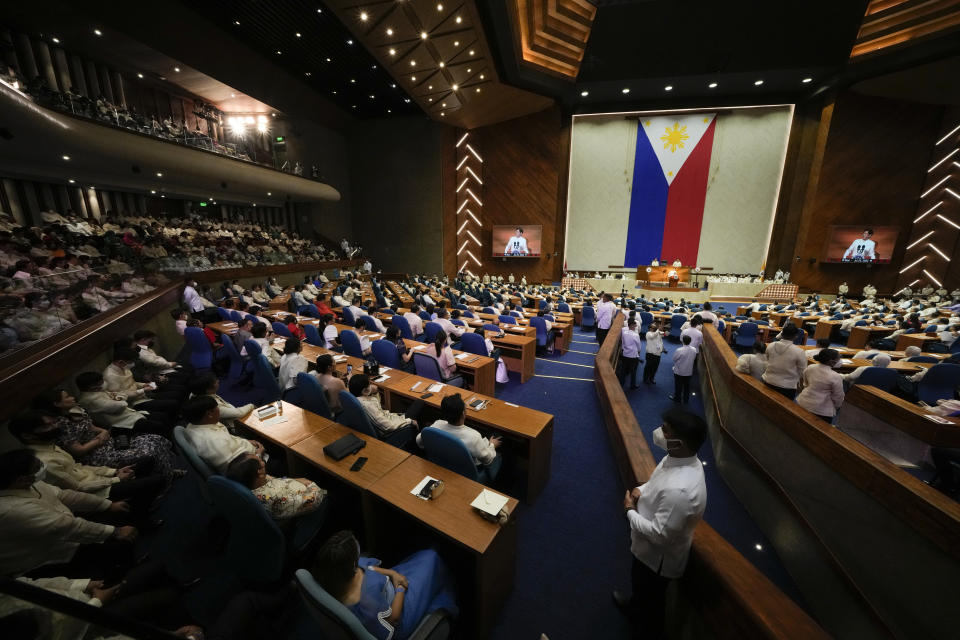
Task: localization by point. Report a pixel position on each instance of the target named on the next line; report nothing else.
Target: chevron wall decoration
(469, 204)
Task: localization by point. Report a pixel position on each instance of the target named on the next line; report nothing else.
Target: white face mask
(661, 440)
(40, 475)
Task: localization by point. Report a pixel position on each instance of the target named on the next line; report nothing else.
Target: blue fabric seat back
(224, 314)
(430, 330)
(335, 619)
(541, 326)
(468, 314)
(588, 317)
(461, 306)
(425, 316)
(253, 348)
(313, 398)
(386, 353)
(348, 316)
(929, 359)
(401, 323)
(507, 319)
(490, 310)
(879, 377)
(458, 322)
(252, 318)
(543, 304)
(515, 314)
(765, 323)
(801, 338)
(427, 367)
(388, 311)
(351, 343)
(264, 379)
(308, 310)
(940, 381)
(646, 319)
(563, 307)
(353, 415)
(676, 324)
(236, 362)
(746, 335)
(473, 343)
(201, 352)
(312, 336)
(860, 323)
(449, 452)
(549, 317)
(370, 323)
(281, 329)
(236, 316)
(256, 547)
(491, 327)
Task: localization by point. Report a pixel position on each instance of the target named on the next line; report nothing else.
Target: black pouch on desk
(343, 447)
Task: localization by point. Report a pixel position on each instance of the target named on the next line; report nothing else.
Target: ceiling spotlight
(354, 106)
(758, 547)
(469, 70)
(626, 90)
(233, 95)
(269, 193)
(444, 104)
(393, 51)
(439, 7)
(669, 87)
(407, 100)
(72, 181)
(584, 94)
(423, 35)
(413, 78)
(273, 115)
(350, 42)
(459, 19)
(481, 76)
(758, 83)
(393, 85)
(430, 100)
(297, 34)
(353, 81)
(455, 87)
(388, 111)
(328, 60)
(334, 92)
(140, 75)
(162, 196)
(373, 66)
(430, 88)
(806, 80)
(66, 157)
(55, 40)
(153, 190)
(177, 69)
(364, 16)
(441, 64)
(319, 10)
(307, 73)
(456, 43)
(278, 52)
(442, 113)
(712, 85)
(389, 31)
(236, 22)
(478, 89)
(97, 32)
(413, 63)
(371, 96)
(471, 51)
(159, 174)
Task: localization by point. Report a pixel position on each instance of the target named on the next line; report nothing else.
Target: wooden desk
(299, 425)
(528, 431)
(862, 335)
(899, 366)
(766, 332)
(485, 551)
(519, 353)
(921, 340)
(381, 457)
(480, 371)
(906, 416)
(825, 328)
(281, 302)
(661, 273)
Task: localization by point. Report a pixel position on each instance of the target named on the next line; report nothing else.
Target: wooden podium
(662, 274)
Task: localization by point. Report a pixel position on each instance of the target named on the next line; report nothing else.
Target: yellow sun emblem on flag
(674, 137)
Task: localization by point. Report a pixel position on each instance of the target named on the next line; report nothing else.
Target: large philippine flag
(669, 188)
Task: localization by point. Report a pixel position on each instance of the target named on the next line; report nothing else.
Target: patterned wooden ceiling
(553, 34)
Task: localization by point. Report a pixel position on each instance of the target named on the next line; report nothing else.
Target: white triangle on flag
(674, 138)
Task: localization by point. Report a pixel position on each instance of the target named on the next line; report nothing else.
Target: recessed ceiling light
(140, 75)
(393, 85)
(626, 90)
(177, 69)
(584, 94)
(439, 7)
(471, 51)
(389, 31)
(319, 10)
(354, 106)
(669, 87)
(97, 32)
(269, 193)
(334, 92)
(274, 115)
(806, 80)
(328, 60)
(444, 104)
(297, 34)
(373, 66)
(307, 73)
(278, 52)
(758, 83)
(423, 35)
(371, 96)
(162, 196)
(56, 40)
(364, 16)
(478, 89)
(236, 22)
(430, 87)
(712, 85)
(456, 43)
(481, 76)
(442, 113)
(393, 51)
(159, 175)
(388, 111)
(153, 190)
(441, 64)
(469, 70)
(66, 157)
(413, 63)
(413, 78)
(455, 87)
(349, 41)
(353, 80)
(459, 19)
(758, 547)
(72, 181)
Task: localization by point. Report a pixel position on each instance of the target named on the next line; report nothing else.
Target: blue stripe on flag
(648, 205)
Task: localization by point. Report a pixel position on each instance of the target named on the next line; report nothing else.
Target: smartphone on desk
(358, 463)
(426, 395)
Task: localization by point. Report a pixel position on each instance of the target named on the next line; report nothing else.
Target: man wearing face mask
(663, 512)
(118, 378)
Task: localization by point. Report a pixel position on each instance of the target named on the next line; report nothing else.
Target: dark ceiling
(322, 55)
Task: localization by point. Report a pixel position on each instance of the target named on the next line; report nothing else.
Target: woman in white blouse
(753, 360)
(443, 354)
(822, 391)
(291, 364)
(329, 332)
(786, 362)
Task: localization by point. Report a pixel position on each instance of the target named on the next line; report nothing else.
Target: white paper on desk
(414, 387)
(489, 502)
(846, 361)
(419, 347)
(932, 417)
(510, 404)
(462, 356)
(339, 358)
(435, 387)
(273, 421)
(420, 485)
(277, 340)
(384, 369)
(382, 378)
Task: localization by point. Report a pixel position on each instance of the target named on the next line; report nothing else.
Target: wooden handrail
(932, 514)
(734, 596)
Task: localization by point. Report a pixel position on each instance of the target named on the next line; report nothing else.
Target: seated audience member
(212, 440)
(42, 530)
(154, 364)
(260, 335)
(484, 451)
(864, 354)
(328, 330)
(294, 327)
(291, 364)
(39, 432)
(91, 445)
(180, 318)
(404, 352)
(321, 305)
(390, 603)
(207, 384)
(786, 362)
(881, 360)
(111, 408)
(244, 333)
(822, 392)
(331, 381)
(822, 343)
(118, 378)
(384, 421)
(360, 327)
(414, 320)
(753, 360)
(443, 354)
(911, 351)
(451, 330)
(283, 498)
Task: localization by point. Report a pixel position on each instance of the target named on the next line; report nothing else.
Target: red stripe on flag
(685, 200)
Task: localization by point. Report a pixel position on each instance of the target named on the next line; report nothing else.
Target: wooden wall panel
(868, 166)
(524, 182)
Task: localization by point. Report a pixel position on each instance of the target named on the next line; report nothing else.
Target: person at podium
(655, 263)
(677, 263)
(673, 277)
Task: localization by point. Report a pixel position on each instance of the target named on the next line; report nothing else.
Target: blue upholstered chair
(940, 381)
(473, 343)
(312, 335)
(313, 397)
(401, 323)
(281, 329)
(746, 335)
(353, 415)
(507, 319)
(588, 317)
(263, 378)
(386, 354)
(427, 367)
(430, 330)
(879, 377)
(449, 452)
(201, 352)
(351, 343)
